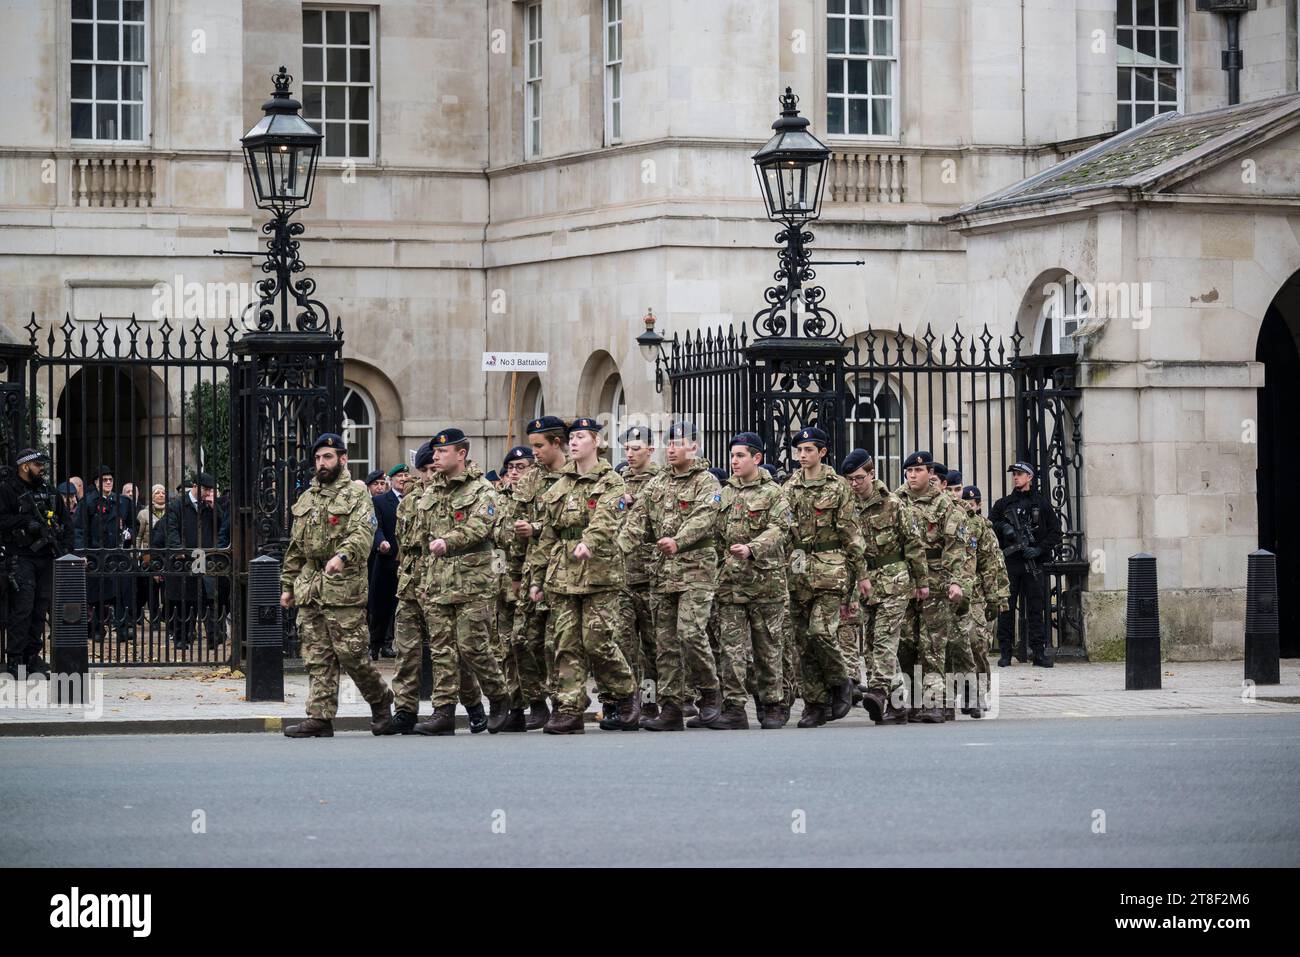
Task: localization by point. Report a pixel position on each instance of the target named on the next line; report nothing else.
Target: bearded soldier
(324, 575)
(752, 527)
(580, 523)
(896, 566)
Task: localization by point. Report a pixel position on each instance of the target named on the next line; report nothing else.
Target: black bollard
(426, 671)
(69, 656)
(1142, 637)
(1262, 666)
(264, 669)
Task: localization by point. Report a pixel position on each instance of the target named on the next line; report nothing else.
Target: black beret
(938, 468)
(492, 476)
(748, 439)
(684, 429)
(811, 434)
(517, 453)
(584, 424)
(547, 423)
(423, 455)
(971, 492)
(447, 437)
(855, 460)
(915, 459)
(374, 476)
(329, 440)
(771, 469)
(954, 477)
(639, 433)
(718, 474)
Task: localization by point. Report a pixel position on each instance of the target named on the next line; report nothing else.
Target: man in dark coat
(192, 522)
(104, 526)
(382, 597)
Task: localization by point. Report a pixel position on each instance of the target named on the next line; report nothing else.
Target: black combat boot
(478, 719)
(688, 708)
(649, 710)
(732, 718)
(441, 722)
(841, 699)
(1004, 657)
(403, 723)
(36, 667)
(498, 714)
(626, 714)
(760, 711)
(930, 716)
(772, 717)
(876, 700)
(894, 715)
(538, 713)
(311, 728)
(1041, 658)
(515, 722)
(815, 714)
(381, 713)
(387, 651)
(669, 719)
(859, 692)
(564, 723)
(709, 709)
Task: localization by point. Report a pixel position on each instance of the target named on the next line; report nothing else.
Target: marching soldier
(676, 511)
(751, 530)
(547, 438)
(324, 575)
(826, 547)
(517, 461)
(961, 566)
(896, 567)
(638, 625)
(34, 531)
(991, 592)
(459, 509)
(580, 523)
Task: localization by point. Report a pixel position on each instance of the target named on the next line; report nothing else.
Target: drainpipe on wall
(1233, 57)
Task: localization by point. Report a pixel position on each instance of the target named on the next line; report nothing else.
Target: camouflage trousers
(751, 638)
(335, 639)
(410, 638)
(637, 639)
(584, 629)
(789, 662)
(960, 664)
(459, 634)
(815, 617)
(981, 639)
(925, 631)
(503, 621)
(681, 621)
(884, 628)
(849, 636)
(528, 641)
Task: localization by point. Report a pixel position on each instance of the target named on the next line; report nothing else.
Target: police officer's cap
(1022, 467)
(811, 434)
(547, 423)
(447, 437)
(684, 429)
(330, 440)
(917, 458)
(750, 440)
(854, 461)
(397, 469)
(374, 476)
(718, 474)
(584, 423)
(971, 493)
(638, 433)
(492, 476)
(31, 455)
(517, 453)
(423, 456)
(954, 477)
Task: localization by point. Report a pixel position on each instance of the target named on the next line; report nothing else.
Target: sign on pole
(515, 361)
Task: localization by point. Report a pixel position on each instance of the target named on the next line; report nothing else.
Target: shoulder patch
(717, 497)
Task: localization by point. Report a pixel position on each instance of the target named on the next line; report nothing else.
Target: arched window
(358, 429)
(875, 422)
(1066, 306)
(617, 411)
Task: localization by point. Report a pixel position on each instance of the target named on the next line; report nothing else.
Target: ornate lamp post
(651, 344)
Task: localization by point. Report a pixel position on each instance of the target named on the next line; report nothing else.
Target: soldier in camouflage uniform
(638, 624)
(458, 509)
(324, 575)
(826, 557)
(517, 461)
(583, 584)
(931, 619)
(752, 527)
(676, 511)
(895, 561)
(532, 635)
(992, 596)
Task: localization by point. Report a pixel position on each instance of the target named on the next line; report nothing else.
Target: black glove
(1032, 552)
(990, 613)
(33, 528)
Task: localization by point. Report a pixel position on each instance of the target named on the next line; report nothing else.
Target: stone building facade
(514, 175)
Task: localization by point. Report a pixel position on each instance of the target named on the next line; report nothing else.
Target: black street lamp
(651, 344)
(280, 153)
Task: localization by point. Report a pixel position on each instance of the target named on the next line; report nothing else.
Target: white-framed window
(338, 74)
(875, 423)
(613, 71)
(862, 68)
(617, 413)
(1149, 58)
(110, 71)
(1066, 306)
(533, 79)
(358, 429)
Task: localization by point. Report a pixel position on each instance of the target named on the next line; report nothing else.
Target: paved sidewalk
(186, 700)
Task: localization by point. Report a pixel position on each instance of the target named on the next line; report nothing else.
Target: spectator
(191, 522)
(146, 520)
(104, 527)
(72, 504)
(377, 482)
(75, 482)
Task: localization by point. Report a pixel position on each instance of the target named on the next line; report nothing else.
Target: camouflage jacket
(682, 507)
(825, 543)
(947, 538)
(526, 557)
(752, 513)
(461, 511)
(583, 509)
(507, 567)
(641, 559)
(894, 557)
(328, 520)
(993, 587)
(413, 541)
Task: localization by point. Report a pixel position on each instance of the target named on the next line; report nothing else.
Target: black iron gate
(974, 401)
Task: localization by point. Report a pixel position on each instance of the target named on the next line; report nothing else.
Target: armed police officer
(34, 530)
(1028, 531)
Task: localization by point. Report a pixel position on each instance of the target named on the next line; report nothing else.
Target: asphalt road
(1184, 791)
